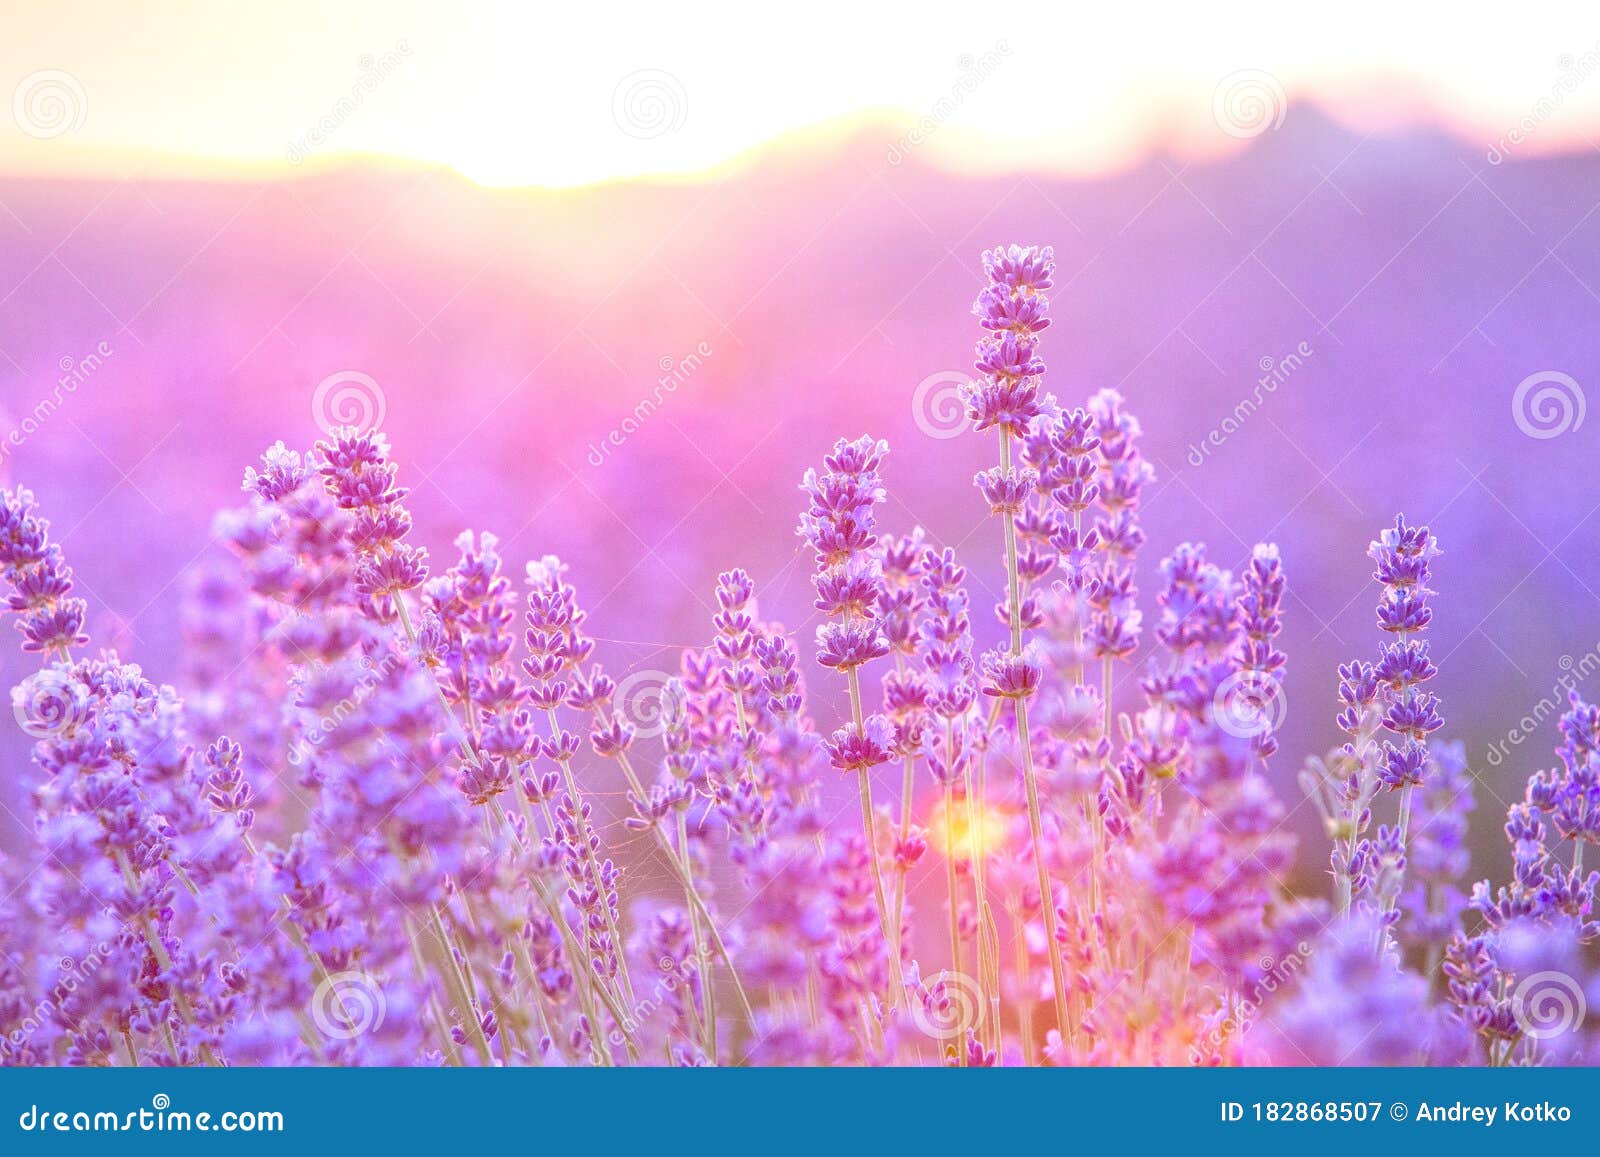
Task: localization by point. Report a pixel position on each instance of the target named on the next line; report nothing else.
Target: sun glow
(964, 833)
(514, 94)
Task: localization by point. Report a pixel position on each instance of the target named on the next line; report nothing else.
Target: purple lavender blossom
(403, 814)
(50, 620)
(1403, 555)
(1354, 1007)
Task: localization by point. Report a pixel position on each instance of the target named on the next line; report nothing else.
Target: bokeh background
(615, 281)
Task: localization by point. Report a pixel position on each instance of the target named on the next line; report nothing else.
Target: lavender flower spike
(51, 622)
(1011, 310)
(840, 525)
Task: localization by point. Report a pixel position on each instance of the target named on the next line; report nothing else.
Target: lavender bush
(379, 828)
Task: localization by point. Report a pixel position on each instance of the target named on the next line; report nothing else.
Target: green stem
(905, 834)
(988, 932)
(625, 981)
(693, 895)
(1023, 966)
(1029, 775)
(1046, 894)
(869, 828)
(702, 957)
(454, 971)
(955, 895)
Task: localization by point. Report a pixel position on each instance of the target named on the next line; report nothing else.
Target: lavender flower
(50, 620)
(1353, 1007)
(410, 815)
(360, 475)
(1438, 857)
(840, 526)
(1011, 311)
(1403, 555)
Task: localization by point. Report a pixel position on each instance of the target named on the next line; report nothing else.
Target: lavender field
(838, 612)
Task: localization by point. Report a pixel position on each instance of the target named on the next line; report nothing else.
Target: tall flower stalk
(1402, 555)
(840, 526)
(1012, 309)
(946, 638)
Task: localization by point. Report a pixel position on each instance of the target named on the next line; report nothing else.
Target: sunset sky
(517, 93)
